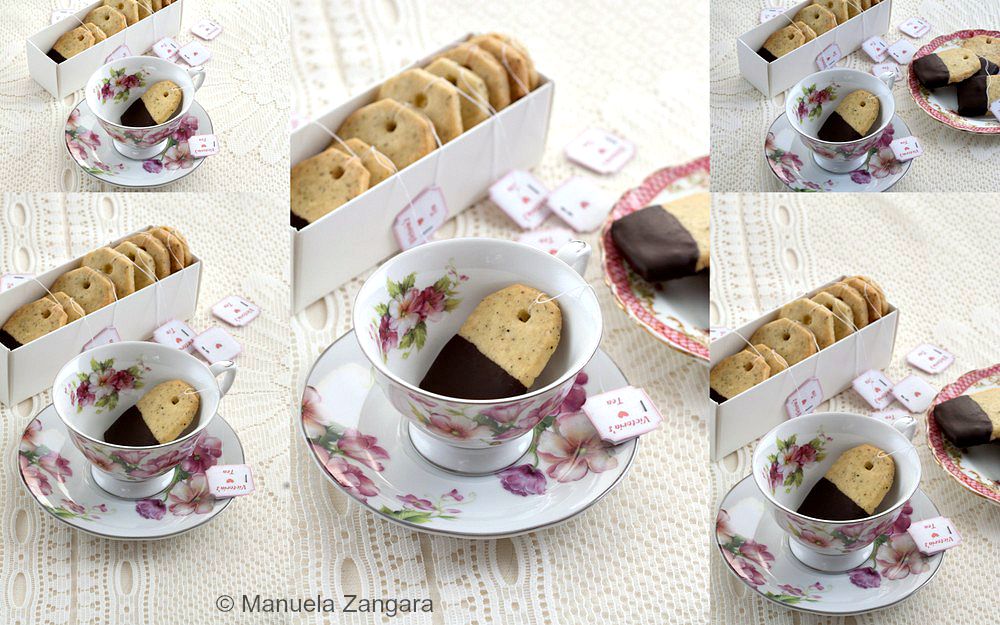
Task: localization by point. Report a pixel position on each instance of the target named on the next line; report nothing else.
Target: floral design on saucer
(188, 491)
(101, 387)
(402, 321)
(177, 153)
(419, 510)
(83, 143)
(786, 468)
(118, 85)
(810, 103)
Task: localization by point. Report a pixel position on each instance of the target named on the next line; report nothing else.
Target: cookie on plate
(323, 183)
(72, 43)
(969, 420)
(818, 319)
(501, 349)
(473, 106)
(511, 59)
(73, 310)
(781, 42)
(735, 374)
(431, 95)
(945, 67)
(850, 296)
(854, 118)
(853, 487)
(986, 46)
(156, 249)
(142, 263)
(843, 318)
(107, 19)
(789, 338)
(91, 289)
(977, 92)
(771, 357)
(378, 165)
(402, 134)
(818, 17)
(486, 67)
(666, 242)
(116, 266)
(31, 321)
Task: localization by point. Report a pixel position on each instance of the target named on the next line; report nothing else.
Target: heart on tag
(935, 535)
(622, 414)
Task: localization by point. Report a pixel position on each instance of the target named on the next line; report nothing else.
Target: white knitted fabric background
(952, 160)
(936, 259)
(637, 556)
(245, 94)
(51, 573)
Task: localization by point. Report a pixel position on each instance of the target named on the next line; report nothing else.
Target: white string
(155, 285)
(541, 298)
(51, 296)
(795, 381)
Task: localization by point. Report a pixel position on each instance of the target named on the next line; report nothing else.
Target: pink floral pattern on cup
(134, 464)
(810, 103)
(118, 85)
(787, 463)
(101, 386)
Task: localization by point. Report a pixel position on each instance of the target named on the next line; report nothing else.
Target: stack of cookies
(112, 17)
(973, 68)
(811, 22)
(413, 113)
(104, 276)
(803, 328)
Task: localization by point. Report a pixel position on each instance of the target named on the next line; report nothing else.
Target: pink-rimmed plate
(976, 468)
(942, 104)
(675, 312)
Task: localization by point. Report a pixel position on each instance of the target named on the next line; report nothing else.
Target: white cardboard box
(62, 79)
(777, 76)
(31, 368)
(323, 258)
(754, 412)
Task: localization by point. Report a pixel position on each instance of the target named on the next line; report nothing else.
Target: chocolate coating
(9, 341)
(655, 244)
(55, 56)
(130, 430)
(716, 397)
(837, 130)
(766, 55)
(963, 421)
(137, 115)
(931, 71)
(825, 501)
(973, 92)
(297, 222)
(462, 371)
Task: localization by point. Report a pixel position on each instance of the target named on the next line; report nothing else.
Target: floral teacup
(116, 85)
(791, 458)
(810, 102)
(91, 391)
(416, 302)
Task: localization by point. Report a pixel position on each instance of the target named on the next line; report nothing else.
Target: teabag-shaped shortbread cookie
(791, 339)
(853, 118)
(128, 8)
(116, 266)
(379, 166)
(511, 59)
(431, 95)
(401, 133)
(72, 43)
(666, 242)
(162, 415)
(69, 305)
(110, 20)
(818, 319)
(853, 487)
(156, 249)
(31, 321)
(142, 262)
(485, 66)
(157, 105)
(474, 106)
(323, 183)
(969, 420)
(735, 374)
(501, 349)
(979, 91)
(945, 67)
(91, 289)
(783, 41)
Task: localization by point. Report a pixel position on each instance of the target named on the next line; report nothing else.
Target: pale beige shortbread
(863, 473)
(116, 266)
(850, 296)
(961, 63)
(73, 310)
(771, 357)
(789, 338)
(397, 131)
(986, 46)
(809, 33)
(533, 76)
(784, 40)
(477, 98)
(98, 34)
(91, 289)
(871, 296)
(511, 59)
(989, 401)
(735, 374)
(35, 319)
(324, 182)
(162, 100)
(843, 318)
(875, 285)
(379, 165)
(818, 319)
(169, 408)
(155, 248)
(187, 248)
(74, 42)
(818, 17)
(516, 333)
(431, 95)
(128, 8)
(692, 211)
(486, 67)
(142, 262)
(837, 7)
(107, 19)
(176, 247)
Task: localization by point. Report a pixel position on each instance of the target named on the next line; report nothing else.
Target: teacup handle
(907, 426)
(197, 77)
(227, 369)
(576, 254)
(889, 78)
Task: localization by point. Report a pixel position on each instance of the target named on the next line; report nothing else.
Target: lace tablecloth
(245, 94)
(952, 160)
(931, 255)
(635, 557)
(51, 573)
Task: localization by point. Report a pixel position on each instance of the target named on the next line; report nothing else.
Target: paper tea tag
(600, 151)
(914, 393)
(804, 399)
(875, 388)
(105, 337)
(120, 52)
(906, 148)
(995, 109)
(581, 203)
(522, 197)
(876, 47)
(717, 332)
(203, 145)
(891, 414)
(548, 240)
(915, 27)
(175, 333)
(887, 68)
(766, 15)
(622, 414)
(902, 51)
(195, 53)
(207, 30)
(229, 480)
(931, 359)
(934, 535)
(215, 344)
(420, 218)
(59, 15)
(236, 311)
(166, 48)
(10, 280)
(829, 57)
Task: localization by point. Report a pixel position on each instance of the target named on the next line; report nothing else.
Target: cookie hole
(816, 17)
(523, 315)
(337, 172)
(86, 284)
(420, 100)
(791, 36)
(80, 38)
(965, 57)
(390, 127)
(166, 94)
(176, 400)
(748, 366)
(452, 79)
(807, 319)
(107, 268)
(863, 104)
(786, 336)
(869, 465)
(46, 314)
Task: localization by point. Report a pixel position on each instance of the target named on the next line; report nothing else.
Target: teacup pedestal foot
(126, 489)
(829, 563)
(839, 167)
(465, 461)
(140, 154)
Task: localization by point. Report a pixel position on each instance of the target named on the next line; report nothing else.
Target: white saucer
(59, 478)
(92, 149)
(756, 551)
(361, 444)
(793, 165)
